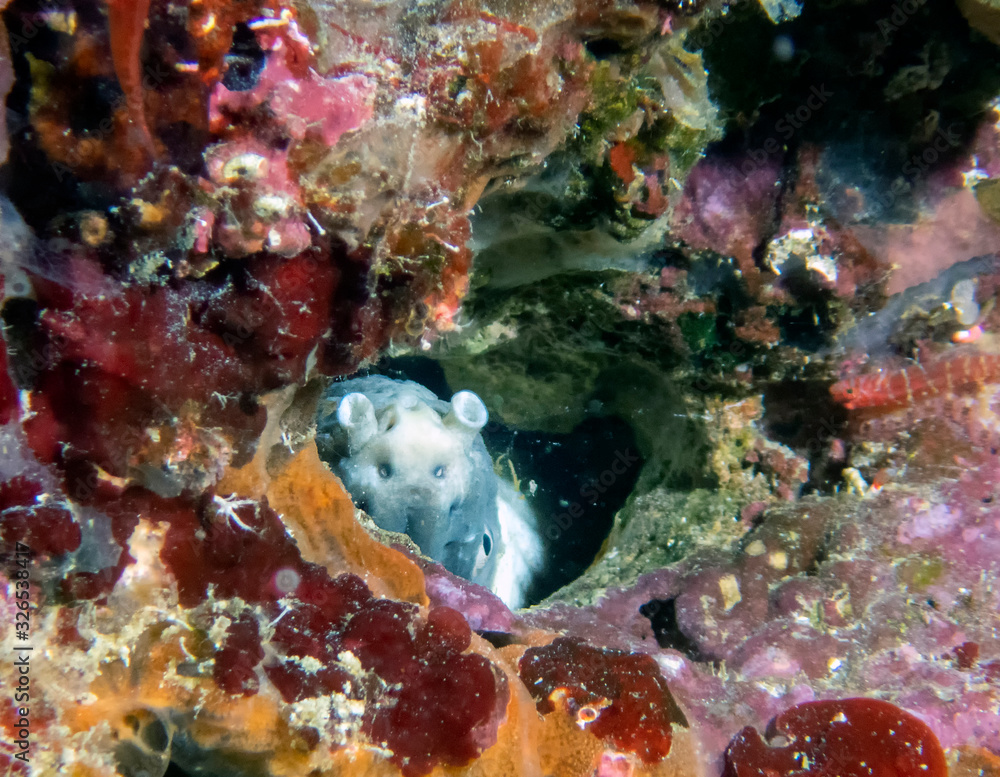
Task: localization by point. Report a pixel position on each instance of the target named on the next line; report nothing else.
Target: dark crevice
(604, 48)
(499, 639)
(662, 615)
(244, 62)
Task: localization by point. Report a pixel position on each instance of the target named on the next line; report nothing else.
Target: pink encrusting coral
(883, 596)
(311, 104)
(730, 205)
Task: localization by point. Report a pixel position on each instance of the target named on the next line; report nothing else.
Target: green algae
(538, 353)
(919, 573)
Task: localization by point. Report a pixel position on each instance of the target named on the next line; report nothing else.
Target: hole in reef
(803, 416)
(662, 615)
(574, 482)
(604, 48)
(244, 62)
(155, 736)
(581, 479)
(499, 639)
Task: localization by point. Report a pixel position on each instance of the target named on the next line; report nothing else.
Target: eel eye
(487, 544)
(439, 471)
(385, 470)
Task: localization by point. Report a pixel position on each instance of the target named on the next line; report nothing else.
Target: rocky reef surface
(724, 274)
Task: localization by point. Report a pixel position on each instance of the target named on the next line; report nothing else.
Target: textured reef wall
(763, 236)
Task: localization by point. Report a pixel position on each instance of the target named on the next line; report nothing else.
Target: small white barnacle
(244, 167)
(272, 206)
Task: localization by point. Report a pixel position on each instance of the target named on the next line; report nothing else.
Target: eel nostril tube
(468, 415)
(356, 415)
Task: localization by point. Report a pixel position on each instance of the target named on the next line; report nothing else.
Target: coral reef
(248, 651)
(723, 274)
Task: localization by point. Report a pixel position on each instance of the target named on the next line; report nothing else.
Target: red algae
(440, 705)
(305, 629)
(966, 655)
(112, 357)
(47, 526)
(846, 737)
(235, 546)
(618, 696)
(445, 712)
(234, 664)
(447, 629)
